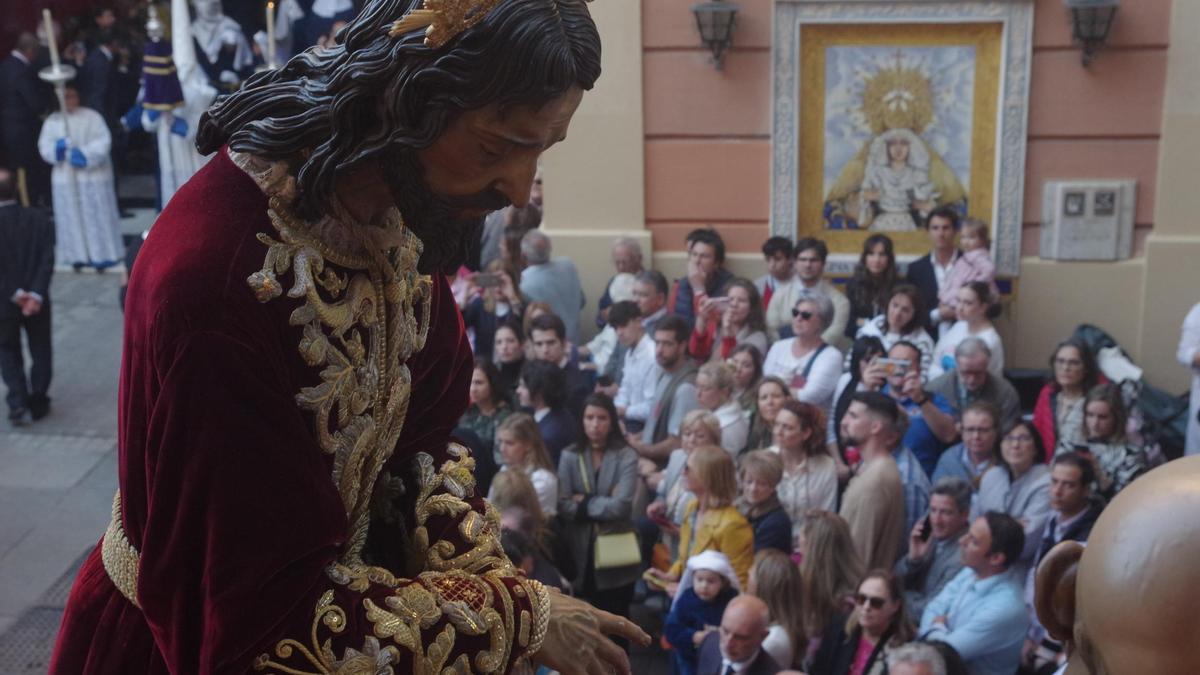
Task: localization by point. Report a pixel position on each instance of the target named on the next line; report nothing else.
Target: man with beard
(290, 500)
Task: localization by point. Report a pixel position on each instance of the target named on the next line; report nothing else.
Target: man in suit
(736, 647)
(21, 104)
(928, 273)
(26, 262)
(99, 77)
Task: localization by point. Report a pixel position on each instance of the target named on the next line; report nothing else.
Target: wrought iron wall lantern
(1091, 21)
(716, 21)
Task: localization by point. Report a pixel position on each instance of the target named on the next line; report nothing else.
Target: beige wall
(1173, 247)
(655, 151)
(594, 181)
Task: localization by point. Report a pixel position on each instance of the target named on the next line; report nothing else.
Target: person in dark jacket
(706, 274)
(707, 586)
(878, 623)
(761, 471)
(737, 646)
(21, 106)
(928, 273)
(26, 262)
(543, 391)
(1075, 510)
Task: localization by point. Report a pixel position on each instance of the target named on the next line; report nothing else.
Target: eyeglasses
(1023, 438)
(975, 431)
(1068, 363)
(875, 602)
(802, 314)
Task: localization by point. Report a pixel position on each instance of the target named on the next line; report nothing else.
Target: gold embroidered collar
(361, 323)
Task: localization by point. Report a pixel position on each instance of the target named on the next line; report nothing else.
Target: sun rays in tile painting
(897, 134)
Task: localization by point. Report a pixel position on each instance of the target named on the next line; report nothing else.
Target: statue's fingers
(621, 627)
(612, 658)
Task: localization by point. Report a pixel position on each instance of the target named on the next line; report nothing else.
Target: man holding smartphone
(933, 556)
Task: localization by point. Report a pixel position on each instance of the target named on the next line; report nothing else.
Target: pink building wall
(708, 132)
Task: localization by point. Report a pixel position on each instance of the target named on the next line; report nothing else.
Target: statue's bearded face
(484, 160)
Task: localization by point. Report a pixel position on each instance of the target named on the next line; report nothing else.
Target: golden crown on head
(443, 20)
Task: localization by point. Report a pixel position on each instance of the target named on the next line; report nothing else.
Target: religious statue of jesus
(290, 498)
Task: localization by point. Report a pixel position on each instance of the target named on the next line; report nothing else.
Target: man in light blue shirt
(981, 612)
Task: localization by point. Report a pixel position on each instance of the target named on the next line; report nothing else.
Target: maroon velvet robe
(226, 494)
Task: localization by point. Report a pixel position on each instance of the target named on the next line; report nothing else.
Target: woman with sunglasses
(877, 625)
(1058, 413)
(808, 365)
(1019, 485)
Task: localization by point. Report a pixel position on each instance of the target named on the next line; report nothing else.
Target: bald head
(744, 627)
(1136, 585)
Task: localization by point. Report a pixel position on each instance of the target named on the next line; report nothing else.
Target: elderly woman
(1058, 413)
(805, 362)
(699, 428)
(723, 323)
(714, 391)
(1019, 485)
(760, 471)
(810, 475)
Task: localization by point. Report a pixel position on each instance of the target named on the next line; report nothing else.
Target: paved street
(58, 475)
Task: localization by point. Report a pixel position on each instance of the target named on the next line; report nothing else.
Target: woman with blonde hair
(714, 392)
(829, 570)
(711, 521)
(777, 581)
(699, 428)
(521, 447)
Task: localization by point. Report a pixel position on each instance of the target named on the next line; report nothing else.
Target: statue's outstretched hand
(577, 643)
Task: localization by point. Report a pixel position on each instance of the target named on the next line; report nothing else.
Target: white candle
(50, 38)
(270, 34)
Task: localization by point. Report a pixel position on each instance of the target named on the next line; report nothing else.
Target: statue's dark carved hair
(372, 94)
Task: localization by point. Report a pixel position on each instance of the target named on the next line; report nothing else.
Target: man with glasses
(933, 545)
(981, 613)
(970, 381)
(810, 271)
(976, 453)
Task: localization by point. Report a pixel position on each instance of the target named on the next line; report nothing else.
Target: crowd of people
(67, 151)
(812, 477)
(798, 474)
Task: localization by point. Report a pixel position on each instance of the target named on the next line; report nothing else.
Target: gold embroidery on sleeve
(365, 312)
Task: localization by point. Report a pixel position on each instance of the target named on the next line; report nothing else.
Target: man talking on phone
(933, 556)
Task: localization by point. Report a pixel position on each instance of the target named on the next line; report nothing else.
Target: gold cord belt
(119, 556)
